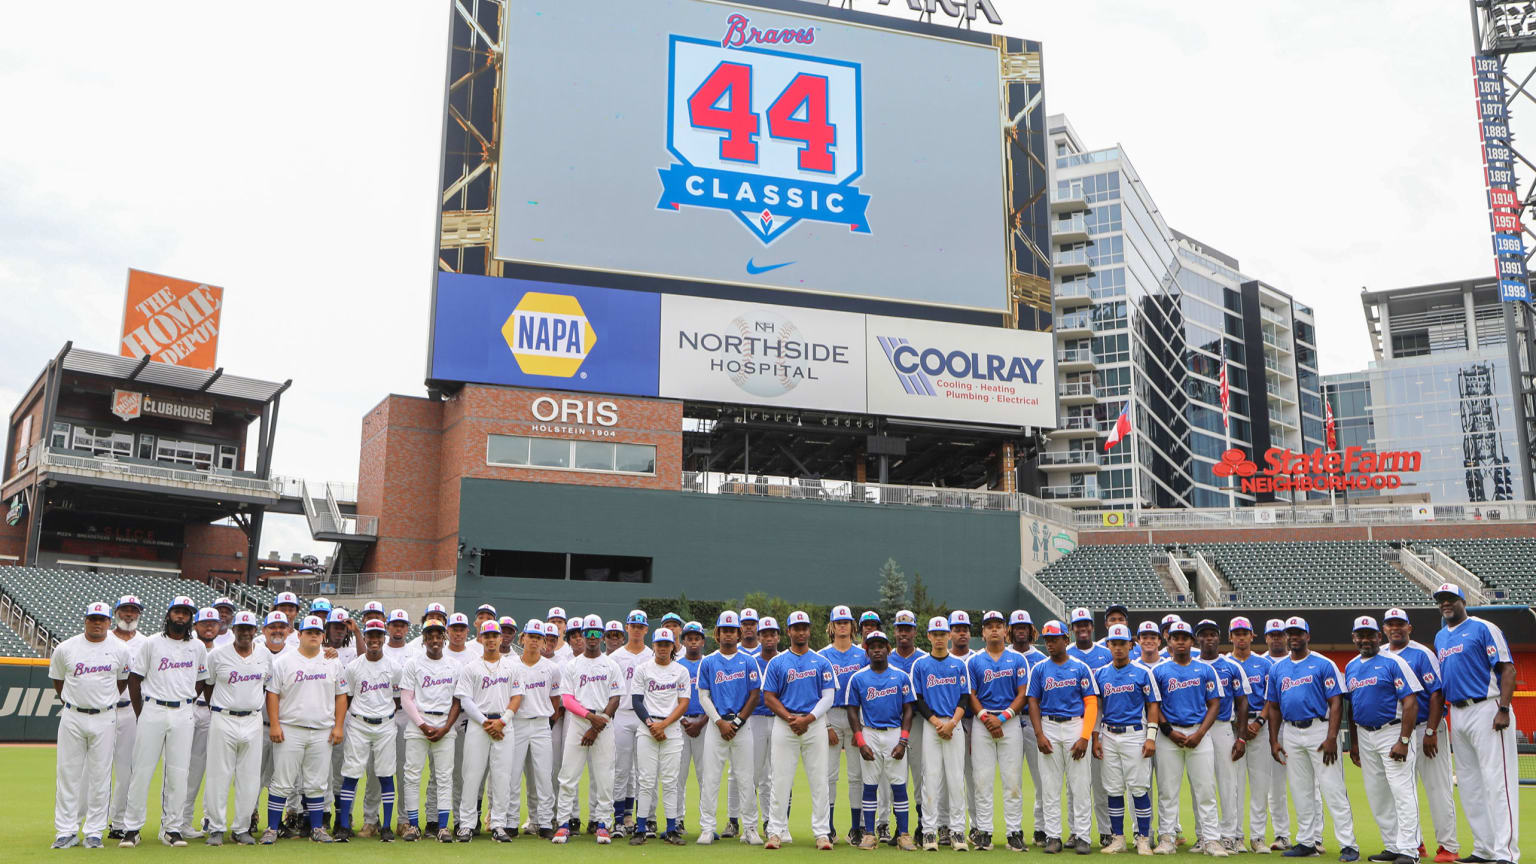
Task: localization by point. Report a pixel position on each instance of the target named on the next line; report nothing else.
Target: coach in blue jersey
(1305, 694)
(1063, 708)
(1432, 759)
(1479, 679)
(1383, 708)
(729, 688)
(1191, 699)
(998, 681)
(1126, 739)
(798, 686)
(940, 685)
(879, 699)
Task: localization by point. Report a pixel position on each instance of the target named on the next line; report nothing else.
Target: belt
(1120, 730)
(1060, 718)
(125, 703)
(219, 710)
(493, 716)
(202, 704)
(376, 721)
(164, 704)
(1301, 724)
(1468, 703)
(436, 713)
(84, 710)
(1395, 721)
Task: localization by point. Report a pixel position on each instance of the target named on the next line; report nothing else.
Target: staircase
(353, 535)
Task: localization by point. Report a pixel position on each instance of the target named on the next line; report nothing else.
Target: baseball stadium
(919, 533)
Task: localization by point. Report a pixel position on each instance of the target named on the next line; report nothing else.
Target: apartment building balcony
(1071, 262)
(1075, 325)
(1073, 229)
(1069, 460)
(1077, 393)
(1076, 427)
(1074, 360)
(1073, 294)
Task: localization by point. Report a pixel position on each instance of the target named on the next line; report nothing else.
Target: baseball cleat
(386, 835)
(93, 842)
(869, 842)
(772, 842)
(319, 835)
(269, 836)
(216, 838)
(824, 843)
(1115, 847)
(66, 841)
(905, 844)
(1143, 845)
(173, 838)
(1349, 853)
(410, 833)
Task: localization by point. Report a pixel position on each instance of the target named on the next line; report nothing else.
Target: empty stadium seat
(1314, 573)
(1095, 576)
(1507, 563)
(12, 645)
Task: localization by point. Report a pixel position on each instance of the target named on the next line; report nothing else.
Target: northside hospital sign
(1351, 469)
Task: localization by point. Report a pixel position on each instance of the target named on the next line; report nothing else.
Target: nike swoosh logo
(754, 269)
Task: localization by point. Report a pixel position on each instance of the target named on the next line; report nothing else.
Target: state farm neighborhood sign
(1351, 469)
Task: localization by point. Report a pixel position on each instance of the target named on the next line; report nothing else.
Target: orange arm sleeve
(1090, 715)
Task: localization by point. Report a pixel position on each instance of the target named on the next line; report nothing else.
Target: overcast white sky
(288, 152)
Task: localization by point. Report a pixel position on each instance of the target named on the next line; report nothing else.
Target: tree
(924, 607)
(893, 589)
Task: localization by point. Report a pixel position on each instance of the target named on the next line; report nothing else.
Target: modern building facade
(1144, 317)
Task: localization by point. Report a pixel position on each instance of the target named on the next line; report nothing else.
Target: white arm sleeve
(820, 709)
(708, 705)
(471, 710)
(408, 702)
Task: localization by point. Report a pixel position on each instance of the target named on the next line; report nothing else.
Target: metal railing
(113, 468)
(293, 487)
(1074, 289)
(1076, 388)
(1444, 564)
(1341, 513)
(1072, 491)
(1210, 584)
(1076, 224)
(1044, 594)
(846, 491)
(1074, 355)
(1070, 257)
(1077, 422)
(1082, 458)
(1074, 321)
(413, 583)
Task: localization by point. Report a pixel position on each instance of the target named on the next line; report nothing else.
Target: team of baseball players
(309, 707)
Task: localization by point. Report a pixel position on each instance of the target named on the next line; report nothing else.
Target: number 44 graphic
(732, 82)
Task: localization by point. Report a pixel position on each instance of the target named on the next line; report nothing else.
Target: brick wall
(213, 550)
(397, 481)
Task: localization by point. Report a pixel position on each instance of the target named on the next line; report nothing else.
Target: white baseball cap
(1274, 625)
(938, 624)
(534, 626)
(592, 622)
(795, 617)
(1365, 622)
(435, 607)
(286, 597)
(992, 615)
(373, 606)
(458, 619)
(959, 616)
(98, 610)
(129, 600)
(664, 634)
(748, 614)
(768, 622)
(1449, 588)
(375, 626)
(1147, 627)
(613, 627)
(245, 617)
(726, 619)
(904, 617)
(1296, 622)
(1394, 615)
(1118, 631)
(556, 612)
(275, 617)
(874, 635)
(207, 613)
(1019, 616)
(840, 613)
(1081, 614)
(1180, 627)
(398, 615)
(223, 601)
(337, 616)
(182, 600)
(312, 622)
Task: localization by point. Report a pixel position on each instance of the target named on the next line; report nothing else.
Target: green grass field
(26, 802)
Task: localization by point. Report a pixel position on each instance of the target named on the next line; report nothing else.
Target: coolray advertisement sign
(734, 144)
(542, 334)
(959, 372)
(752, 353)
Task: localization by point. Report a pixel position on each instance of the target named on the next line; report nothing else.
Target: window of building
(1108, 316)
(1410, 344)
(1107, 250)
(188, 453)
(1112, 382)
(573, 566)
(518, 564)
(610, 568)
(1103, 219)
(1112, 348)
(523, 451)
(102, 442)
(229, 457)
(146, 446)
(60, 436)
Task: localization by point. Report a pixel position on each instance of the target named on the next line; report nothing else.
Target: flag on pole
(1226, 392)
(1122, 428)
(1328, 426)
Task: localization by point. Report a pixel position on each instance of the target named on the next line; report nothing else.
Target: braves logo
(662, 686)
(167, 664)
(990, 675)
(794, 675)
(1287, 683)
(1355, 683)
(427, 681)
(1119, 689)
(592, 679)
(940, 680)
(871, 693)
(300, 676)
(82, 669)
(488, 681)
(1182, 684)
(722, 676)
(1060, 683)
(237, 678)
(373, 686)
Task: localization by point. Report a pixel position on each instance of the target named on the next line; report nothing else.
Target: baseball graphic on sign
(763, 372)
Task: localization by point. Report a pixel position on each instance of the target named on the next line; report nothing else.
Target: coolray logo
(1352, 468)
(770, 135)
(549, 334)
(1288, 682)
(918, 368)
(990, 675)
(877, 692)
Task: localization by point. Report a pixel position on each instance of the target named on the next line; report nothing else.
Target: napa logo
(549, 334)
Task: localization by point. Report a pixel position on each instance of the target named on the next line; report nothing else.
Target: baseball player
(1479, 677)
(869, 622)
(1431, 762)
(205, 627)
(1149, 641)
(613, 636)
(846, 658)
(750, 641)
(226, 609)
(798, 686)
(237, 673)
(373, 687)
(1305, 691)
(960, 649)
(1021, 636)
(1063, 709)
(162, 683)
(941, 687)
(125, 629)
(1228, 737)
(483, 688)
(659, 696)
(340, 645)
(426, 696)
(397, 626)
(1383, 709)
(89, 671)
(1275, 651)
(457, 649)
(904, 655)
(1126, 739)
(434, 612)
(1095, 656)
(999, 680)
(306, 709)
(590, 689)
(758, 797)
(729, 689)
(273, 643)
(1191, 694)
(1254, 769)
(693, 723)
(535, 683)
(879, 707)
(629, 655)
(558, 619)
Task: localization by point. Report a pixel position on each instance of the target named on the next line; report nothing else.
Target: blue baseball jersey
(879, 696)
(1062, 687)
(762, 672)
(1303, 687)
(844, 664)
(942, 683)
(1126, 691)
(1095, 655)
(995, 682)
(1256, 670)
(905, 664)
(798, 679)
(730, 680)
(694, 708)
(755, 650)
(1468, 653)
(1233, 681)
(1376, 685)
(1185, 690)
(1032, 657)
(1426, 666)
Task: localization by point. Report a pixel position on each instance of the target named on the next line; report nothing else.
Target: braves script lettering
(82, 669)
(167, 663)
(1185, 684)
(990, 675)
(739, 33)
(1118, 689)
(301, 675)
(876, 692)
(1287, 683)
(723, 676)
(1060, 683)
(487, 681)
(237, 678)
(370, 687)
(592, 679)
(936, 681)
(662, 686)
(794, 675)
(429, 681)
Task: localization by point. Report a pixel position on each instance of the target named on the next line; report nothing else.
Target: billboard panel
(171, 320)
(731, 144)
(958, 372)
(752, 353)
(542, 334)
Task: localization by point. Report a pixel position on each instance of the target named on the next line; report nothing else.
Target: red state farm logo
(1234, 461)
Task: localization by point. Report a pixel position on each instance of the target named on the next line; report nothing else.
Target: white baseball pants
(597, 759)
(625, 723)
(692, 754)
(968, 724)
(82, 773)
(459, 734)
(122, 762)
(1032, 761)
(483, 753)
(1006, 756)
(301, 762)
(417, 749)
(1438, 793)
(367, 746)
(741, 751)
(1279, 813)
(943, 769)
(166, 731)
(884, 769)
(372, 796)
(757, 797)
(1173, 763)
(1058, 765)
(234, 754)
(1390, 790)
(1126, 772)
(789, 751)
(1306, 773)
(197, 764)
(1489, 779)
(1253, 772)
(531, 756)
(655, 761)
(844, 751)
(1229, 792)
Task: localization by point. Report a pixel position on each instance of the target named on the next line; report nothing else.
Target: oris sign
(1351, 469)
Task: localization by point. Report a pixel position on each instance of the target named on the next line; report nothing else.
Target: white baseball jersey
(592, 681)
(661, 686)
(627, 663)
(239, 683)
(307, 688)
(430, 681)
(537, 684)
(486, 685)
(401, 655)
(90, 671)
(346, 654)
(223, 639)
(373, 686)
(170, 667)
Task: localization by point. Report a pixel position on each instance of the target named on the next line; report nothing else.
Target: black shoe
(130, 839)
(512, 832)
(943, 836)
(983, 842)
(732, 828)
(1039, 838)
(637, 839)
(386, 835)
(855, 836)
(500, 835)
(1473, 858)
(1383, 857)
(1301, 850)
(342, 835)
(673, 838)
(1406, 859)
(1350, 853)
(575, 826)
(883, 834)
(1016, 842)
(650, 834)
(1082, 847)
(1052, 845)
(431, 828)
(1105, 840)
(463, 835)
(549, 833)
(115, 834)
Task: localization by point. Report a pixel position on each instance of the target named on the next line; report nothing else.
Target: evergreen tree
(893, 589)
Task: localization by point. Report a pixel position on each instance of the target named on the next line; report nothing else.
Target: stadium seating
(1095, 576)
(1505, 563)
(1312, 574)
(11, 644)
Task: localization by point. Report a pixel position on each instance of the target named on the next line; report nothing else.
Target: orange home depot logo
(171, 320)
(1353, 468)
(127, 404)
